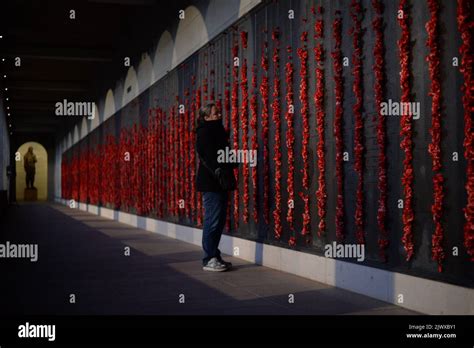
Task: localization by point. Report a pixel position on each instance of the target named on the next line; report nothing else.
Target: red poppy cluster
(171, 170)
(227, 97)
(167, 162)
(264, 90)
(93, 175)
(175, 157)
(254, 139)
(170, 164)
(276, 113)
(303, 56)
(125, 171)
(227, 128)
(192, 161)
(290, 137)
(244, 111)
(434, 148)
(161, 201)
(184, 152)
(147, 202)
(179, 156)
(378, 68)
(356, 31)
(306, 217)
(235, 124)
(321, 193)
(83, 184)
(188, 149)
(143, 169)
(170, 161)
(465, 24)
(199, 212)
(338, 132)
(75, 175)
(109, 179)
(150, 162)
(187, 157)
(105, 173)
(244, 39)
(406, 130)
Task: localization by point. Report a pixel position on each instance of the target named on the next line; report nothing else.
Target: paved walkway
(83, 254)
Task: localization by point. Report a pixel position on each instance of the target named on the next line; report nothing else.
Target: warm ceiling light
(7, 99)
(6, 89)
(10, 125)
(4, 76)
(8, 108)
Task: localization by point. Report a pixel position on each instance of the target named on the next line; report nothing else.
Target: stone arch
(109, 108)
(75, 135)
(191, 35)
(95, 121)
(68, 141)
(145, 73)
(130, 87)
(163, 55)
(84, 128)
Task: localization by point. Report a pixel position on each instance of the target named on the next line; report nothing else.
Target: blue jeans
(215, 212)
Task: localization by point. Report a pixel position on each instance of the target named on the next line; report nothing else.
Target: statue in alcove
(29, 161)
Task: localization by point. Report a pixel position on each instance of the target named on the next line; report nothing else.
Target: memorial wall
(359, 115)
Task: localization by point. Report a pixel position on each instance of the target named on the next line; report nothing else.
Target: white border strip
(419, 294)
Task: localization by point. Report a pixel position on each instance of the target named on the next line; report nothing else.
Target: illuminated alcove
(41, 177)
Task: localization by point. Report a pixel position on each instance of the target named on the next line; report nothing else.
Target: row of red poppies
(465, 25)
(147, 181)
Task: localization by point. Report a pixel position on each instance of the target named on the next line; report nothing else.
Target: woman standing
(210, 138)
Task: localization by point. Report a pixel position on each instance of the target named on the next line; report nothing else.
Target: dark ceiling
(74, 59)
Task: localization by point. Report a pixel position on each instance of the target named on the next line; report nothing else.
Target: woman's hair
(203, 112)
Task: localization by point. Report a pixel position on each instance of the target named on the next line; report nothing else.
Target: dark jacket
(210, 137)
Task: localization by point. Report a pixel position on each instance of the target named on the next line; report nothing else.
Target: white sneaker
(214, 265)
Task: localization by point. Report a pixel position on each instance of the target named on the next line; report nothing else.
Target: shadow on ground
(84, 255)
